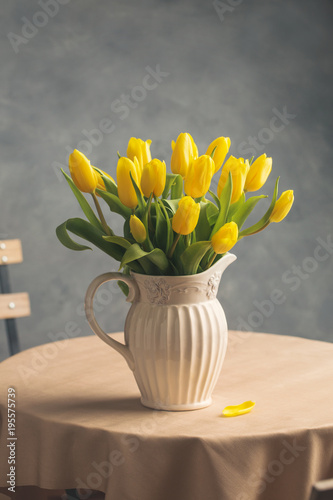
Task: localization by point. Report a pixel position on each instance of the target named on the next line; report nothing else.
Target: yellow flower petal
(239, 169)
(137, 229)
(225, 238)
(199, 176)
(186, 217)
(126, 191)
(222, 145)
(184, 152)
(234, 411)
(153, 178)
(140, 149)
(282, 206)
(82, 173)
(258, 173)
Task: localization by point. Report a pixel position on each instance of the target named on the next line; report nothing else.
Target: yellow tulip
(183, 154)
(225, 238)
(126, 191)
(222, 145)
(239, 170)
(186, 218)
(199, 176)
(82, 173)
(140, 149)
(138, 229)
(258, 173)
(282, 206)
(153, 178)
(100, 182)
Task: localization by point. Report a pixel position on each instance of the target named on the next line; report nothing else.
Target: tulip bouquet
(174, 224)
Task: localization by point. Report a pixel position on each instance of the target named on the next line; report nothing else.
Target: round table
(80, 424)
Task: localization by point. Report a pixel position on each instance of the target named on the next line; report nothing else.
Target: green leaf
(66, 240)
(203, 228)
(235, 206)
(127, 231)
(157, 257)
(207, 258)
(215, 198)
(87, 231)
(177, 187)
(170, 179)
(172, 205)
(110, 185)
(224, 203)
(141, 201)
(244, 211)
(264, 221)
(123, 286)
(163, 233)
(192, 256)
(114, 203)
(87, 210)
(213, 152)
(212, 214)
(176, 258)
(119, 240)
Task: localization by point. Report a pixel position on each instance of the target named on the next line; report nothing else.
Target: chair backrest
(322, 490)
(12, 305)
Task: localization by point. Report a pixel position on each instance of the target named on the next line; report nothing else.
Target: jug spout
(221, 265)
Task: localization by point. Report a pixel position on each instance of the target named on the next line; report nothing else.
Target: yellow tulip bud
(199, 176)
(239, 170)
(83, 175)
(222, 145)
(258, 173)
(126, 191)
(183, 154)
(100, 182)
(225, 238)
(138, 229)
(140, 149)
(282, 206)
(186, 218)
(153, 178)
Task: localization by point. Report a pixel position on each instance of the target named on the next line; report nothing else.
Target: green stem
(100, 214)
(174, 244)
(211, 260)
(163, 208)
(149, 215)
(254, 232)
(197, 200)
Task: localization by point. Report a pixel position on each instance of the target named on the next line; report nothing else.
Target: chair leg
(72, 495)
(13, 341)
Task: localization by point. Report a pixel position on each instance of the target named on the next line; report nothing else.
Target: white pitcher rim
(210, 270)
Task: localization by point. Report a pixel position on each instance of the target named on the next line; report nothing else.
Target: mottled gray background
(228, 69)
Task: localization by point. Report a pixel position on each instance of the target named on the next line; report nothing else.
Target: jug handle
(123, 349)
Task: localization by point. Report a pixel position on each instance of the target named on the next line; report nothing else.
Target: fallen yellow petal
(234, 411)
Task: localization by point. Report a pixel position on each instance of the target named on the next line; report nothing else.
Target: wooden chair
(16, 305)
(12, 305)
(322, 490)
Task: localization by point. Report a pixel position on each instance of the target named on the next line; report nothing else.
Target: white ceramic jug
(175, 335)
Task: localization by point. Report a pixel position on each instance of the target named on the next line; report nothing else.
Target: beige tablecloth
(80, 424)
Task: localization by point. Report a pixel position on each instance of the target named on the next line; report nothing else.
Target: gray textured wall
(228, 71)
